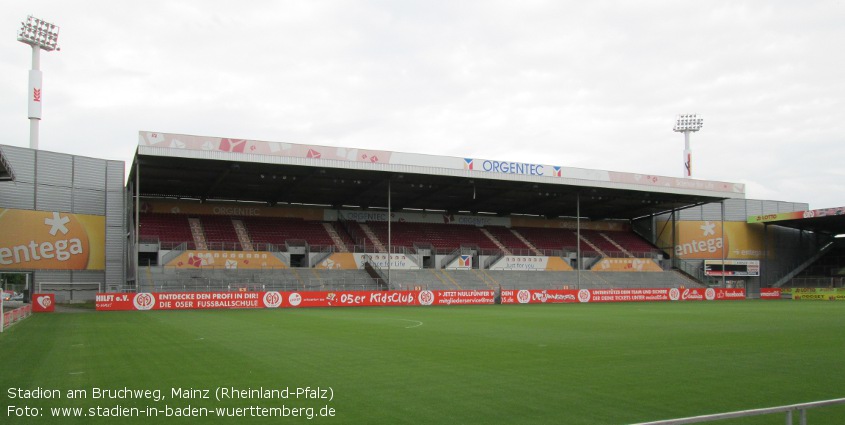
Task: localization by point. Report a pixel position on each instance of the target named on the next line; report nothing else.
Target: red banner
(351, 298)
(18, 314)
(43, 303)
(187, 300)
(533, 296)
(769, 293)
(474, 297)
(536, 296)
(272, 299)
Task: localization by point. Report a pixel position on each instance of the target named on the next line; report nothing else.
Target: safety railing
(788, 410)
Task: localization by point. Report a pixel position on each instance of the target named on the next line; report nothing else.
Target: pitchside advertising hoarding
(818, 294)
(770, 293)
(272, 299)
(51, 240)
(43, 303)
(538, 296)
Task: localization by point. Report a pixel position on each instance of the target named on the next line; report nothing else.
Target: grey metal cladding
(690, 214)
(114, 209)
(115, 175)
(712, 212)
(92, 276)
(54, 168)
(770, 207)
(52, 198)
(22, 161)
(89, 173)
(17, 195)
(53, 276)
(754, 207)
(87, 201)
(735, 210)
(114, 244)
(792, 206)
(114, 276)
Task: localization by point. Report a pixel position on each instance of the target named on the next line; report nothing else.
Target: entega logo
(706, 242)
(41, 239)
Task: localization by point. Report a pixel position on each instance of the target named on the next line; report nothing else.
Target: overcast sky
(580, 84)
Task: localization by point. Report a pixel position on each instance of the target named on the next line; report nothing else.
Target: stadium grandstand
(207, 213)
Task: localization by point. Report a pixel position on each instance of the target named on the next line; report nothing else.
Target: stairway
(527, 243)
(197, 233)
(338, 242)
(496, 241)
(617, 245)
(370, 234)
(243, 235)
(591, 245)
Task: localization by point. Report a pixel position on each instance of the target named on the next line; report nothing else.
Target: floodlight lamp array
(37, 32)
(688, 122)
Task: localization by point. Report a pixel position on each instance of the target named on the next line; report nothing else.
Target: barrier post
(2, 315)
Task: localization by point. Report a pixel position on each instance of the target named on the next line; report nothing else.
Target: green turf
(544, 364)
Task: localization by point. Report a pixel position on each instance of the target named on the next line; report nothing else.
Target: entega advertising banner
(51, 240)
(704, 240)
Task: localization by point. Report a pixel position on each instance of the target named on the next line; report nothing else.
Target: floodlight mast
(688, 123)
(40, 35)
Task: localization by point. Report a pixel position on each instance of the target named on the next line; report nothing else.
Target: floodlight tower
(40, 35)
(688, 123)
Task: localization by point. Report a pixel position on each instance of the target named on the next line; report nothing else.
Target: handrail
(788, 409)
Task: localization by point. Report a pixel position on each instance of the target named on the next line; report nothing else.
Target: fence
(788, 410)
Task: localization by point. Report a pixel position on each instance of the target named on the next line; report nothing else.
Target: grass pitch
(539, 364)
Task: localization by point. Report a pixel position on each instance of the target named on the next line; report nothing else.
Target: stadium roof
(207, 168)
(828, 220)
(6, 173)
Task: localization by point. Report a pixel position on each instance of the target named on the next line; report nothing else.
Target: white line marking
(418, 323)
(78, 345)
(76, 373)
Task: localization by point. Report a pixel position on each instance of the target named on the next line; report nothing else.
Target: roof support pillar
(578, 262)
(389, 234)
(724, 244)
(137, 222)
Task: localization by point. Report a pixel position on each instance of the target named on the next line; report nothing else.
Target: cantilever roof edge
(6, 171)
(202, 147)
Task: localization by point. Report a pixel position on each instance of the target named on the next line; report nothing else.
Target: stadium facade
(236, 213)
